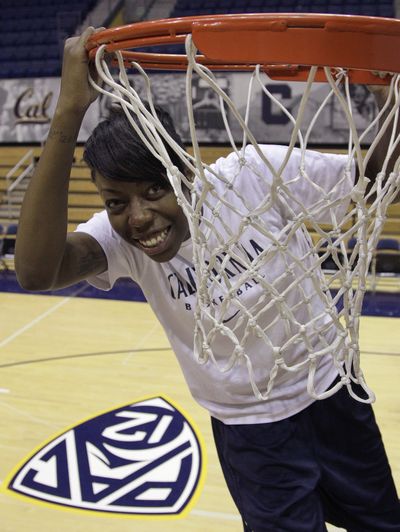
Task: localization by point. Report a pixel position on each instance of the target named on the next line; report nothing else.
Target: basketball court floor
(66, 358)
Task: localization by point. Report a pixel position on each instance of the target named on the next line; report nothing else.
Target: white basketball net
(297, 281)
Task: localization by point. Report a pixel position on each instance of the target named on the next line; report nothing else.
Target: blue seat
(20, 38)
(9, 240)
(7, 69)
(351, 244)
(8, 53)
(386, 11)
(369, 11)
(335, 9)
(45, 37)
(50, 68)
(388, 243)
(8, 14)
(321, 4)
(387, 256)
(352, 9)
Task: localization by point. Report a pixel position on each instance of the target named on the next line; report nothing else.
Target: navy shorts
(324, 464)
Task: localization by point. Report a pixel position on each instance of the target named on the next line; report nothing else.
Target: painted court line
(39, 318)
(25, 414)
(140, 344)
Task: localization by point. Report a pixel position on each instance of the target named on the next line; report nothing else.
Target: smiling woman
(139, 199)
(145, 213)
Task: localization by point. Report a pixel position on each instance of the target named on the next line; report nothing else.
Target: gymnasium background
(61, 358)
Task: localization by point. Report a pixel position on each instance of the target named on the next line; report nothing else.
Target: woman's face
(146, 214)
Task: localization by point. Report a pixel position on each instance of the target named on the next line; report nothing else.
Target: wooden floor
(66, 359)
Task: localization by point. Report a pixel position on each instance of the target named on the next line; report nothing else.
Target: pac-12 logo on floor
(141, 459)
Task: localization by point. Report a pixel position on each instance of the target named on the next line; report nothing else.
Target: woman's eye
(157, 190)
(113, 205)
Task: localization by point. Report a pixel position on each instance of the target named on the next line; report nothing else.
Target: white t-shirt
(170, 287)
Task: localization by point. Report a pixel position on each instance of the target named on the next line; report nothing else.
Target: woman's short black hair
(115, 150)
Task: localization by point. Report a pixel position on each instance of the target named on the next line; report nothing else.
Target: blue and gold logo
(143, 459)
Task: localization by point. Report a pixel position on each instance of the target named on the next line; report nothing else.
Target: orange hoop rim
(286, 45)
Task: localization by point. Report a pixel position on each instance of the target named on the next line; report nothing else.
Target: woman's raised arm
(45, 257)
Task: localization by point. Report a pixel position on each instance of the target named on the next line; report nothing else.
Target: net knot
(174, 170)
(339, 72)
(225, 248)
(351, 344)
(336, 233)
(276, 350)
(347, 285)
(381, 175)
(252, 272)
(240, 354)
(252, 323)
(206, 350)
(204, 273)
(358, 193)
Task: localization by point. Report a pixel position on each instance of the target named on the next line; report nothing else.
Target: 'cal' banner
(27, 106)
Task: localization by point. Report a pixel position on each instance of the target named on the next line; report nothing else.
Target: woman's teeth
(154, 240)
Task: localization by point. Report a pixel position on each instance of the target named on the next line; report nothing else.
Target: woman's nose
(139, 214)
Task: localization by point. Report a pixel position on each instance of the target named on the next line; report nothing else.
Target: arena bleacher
(32, 32)
(383, 8)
